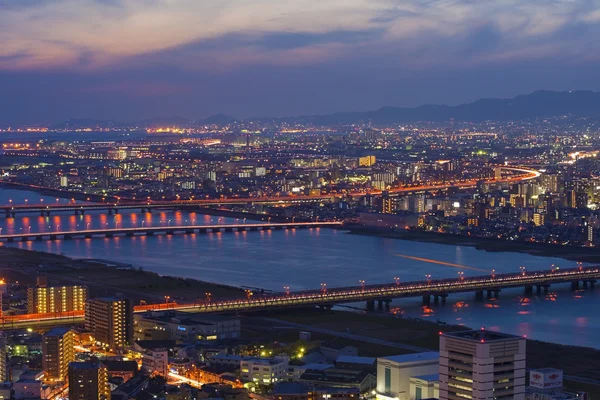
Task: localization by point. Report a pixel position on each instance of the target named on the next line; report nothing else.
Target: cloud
(92, 34)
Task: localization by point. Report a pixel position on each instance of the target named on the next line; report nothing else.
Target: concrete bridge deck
(158, 230)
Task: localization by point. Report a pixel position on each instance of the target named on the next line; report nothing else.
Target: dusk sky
(132, 59)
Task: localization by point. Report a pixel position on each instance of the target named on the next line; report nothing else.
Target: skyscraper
(88, 381)
(58, 350)
(482, 365)
(110, 320)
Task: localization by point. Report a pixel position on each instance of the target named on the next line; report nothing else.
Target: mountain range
(539, 104)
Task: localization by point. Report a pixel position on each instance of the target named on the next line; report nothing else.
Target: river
(305, 258)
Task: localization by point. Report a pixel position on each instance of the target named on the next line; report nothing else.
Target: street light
(523, 270)
(87, 227)
(57, 226)
(167, 299)
(362, 284)
(397, 280)
(493, 274)
(208, 296)
(287, 290)
(428, 277)
(461, 275)
(323, 288)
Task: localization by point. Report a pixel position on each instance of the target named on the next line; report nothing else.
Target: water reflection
(304, 258)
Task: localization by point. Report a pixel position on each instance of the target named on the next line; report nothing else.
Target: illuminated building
(88, 381)
(482, 365)
(110, 320)
(366, 161)
(264, 371)
(394, 374)
(3, 370)
(58, 350)
(51, 299)
(185, 326)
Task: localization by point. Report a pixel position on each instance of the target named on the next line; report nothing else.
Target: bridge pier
(380, 305)
(546, 289)
(443, 297)
(370, 305)
(538, 289)
(584, 284)
(426, 300)
(575, 285)
(387, 304)
(436, 299)
(528, 290)
(479, 295)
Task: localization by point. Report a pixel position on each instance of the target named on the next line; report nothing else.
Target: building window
(418, 393)
(388, 380)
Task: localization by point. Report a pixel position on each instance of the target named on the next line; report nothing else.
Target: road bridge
(327, 297)
(384, 293)
(11, 210)
(162, 230)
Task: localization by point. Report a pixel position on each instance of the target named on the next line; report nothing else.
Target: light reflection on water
(305, 258)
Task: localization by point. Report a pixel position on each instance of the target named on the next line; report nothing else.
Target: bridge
(11, 210)
(384, 293)
(327, 297)
(162, 230)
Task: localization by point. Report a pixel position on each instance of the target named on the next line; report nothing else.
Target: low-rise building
(185, 326)
(394, 373)
(334, 377)
(264, 371)
(301, 391)
(425, 386)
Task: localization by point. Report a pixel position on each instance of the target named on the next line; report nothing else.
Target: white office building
(264, 371)
(394, 375)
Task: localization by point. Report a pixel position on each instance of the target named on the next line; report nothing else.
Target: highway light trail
(428, 260)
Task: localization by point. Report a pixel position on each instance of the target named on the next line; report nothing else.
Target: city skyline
(114, 60)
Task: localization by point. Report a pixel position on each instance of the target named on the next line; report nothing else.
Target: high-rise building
(52, 299)
(482, 365)
(3, 368)
(88, 381)
(110, 320)
(58, 350)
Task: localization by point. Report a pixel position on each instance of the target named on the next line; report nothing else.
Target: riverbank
(104, 279)
(572, 253)
(63, 194)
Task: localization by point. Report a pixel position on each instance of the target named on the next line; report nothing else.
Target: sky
(135, 59)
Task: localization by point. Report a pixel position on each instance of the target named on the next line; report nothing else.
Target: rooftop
(482, 334)
(356, 360)
(57, 332)
(407, 358)
(428, 378)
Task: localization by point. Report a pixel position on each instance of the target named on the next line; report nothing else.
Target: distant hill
(537, 104)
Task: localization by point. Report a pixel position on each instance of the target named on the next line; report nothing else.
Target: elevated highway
(11, 210)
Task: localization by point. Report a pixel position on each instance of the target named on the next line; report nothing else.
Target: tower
(88, 381)
(58, 350)
(110, 320)
(482, 365)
